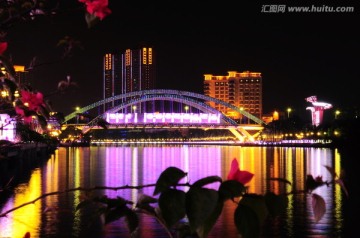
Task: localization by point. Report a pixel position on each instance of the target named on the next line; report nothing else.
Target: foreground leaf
(342, 185)
(207, 180)
(319, 206)
(200, 204)
(211, 220)
(230, 189)
(172, 206)
(169, 177)
(132, 220)
(280, 180)
(331, 171)
(257, 203)
(246, 222)
(144, 203)
(145, 199)
(276, 204)
(114, 214)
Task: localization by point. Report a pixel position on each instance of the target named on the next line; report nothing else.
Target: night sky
(298, 54)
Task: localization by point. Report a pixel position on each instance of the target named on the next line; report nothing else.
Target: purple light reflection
(143, 166)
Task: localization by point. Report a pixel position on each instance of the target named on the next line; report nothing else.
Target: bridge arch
(177, 98)
(185, 96)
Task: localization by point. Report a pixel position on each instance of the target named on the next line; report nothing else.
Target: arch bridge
(243, 132)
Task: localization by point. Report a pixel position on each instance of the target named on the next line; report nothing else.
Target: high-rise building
(241, 89)
(21, 75)
(132, 70)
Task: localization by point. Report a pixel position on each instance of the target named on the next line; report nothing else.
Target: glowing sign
(317, 110)
(158, 118)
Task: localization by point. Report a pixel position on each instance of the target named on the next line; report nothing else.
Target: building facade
(21, 75)
(241, 89)
(132, 70)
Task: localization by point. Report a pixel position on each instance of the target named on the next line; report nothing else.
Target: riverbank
(17, 160)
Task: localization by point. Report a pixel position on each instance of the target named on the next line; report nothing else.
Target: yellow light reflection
(77, 177)
(27, 219)
(289, 168)
(338, 192)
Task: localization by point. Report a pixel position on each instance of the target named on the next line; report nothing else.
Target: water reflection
(117, 166)
(27, 218)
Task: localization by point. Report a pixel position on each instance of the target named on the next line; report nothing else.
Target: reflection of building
(243, 90)
(132, 70)
(317, 110)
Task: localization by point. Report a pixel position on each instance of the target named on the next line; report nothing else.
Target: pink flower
(3, 47)
(98, 8)
(21, 112)
(34, 100)
(236, 174)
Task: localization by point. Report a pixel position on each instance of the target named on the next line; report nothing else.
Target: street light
(77, 114)
(186, 108)
(134, 108)
(241, 115)
(337, 113)
(288, 112)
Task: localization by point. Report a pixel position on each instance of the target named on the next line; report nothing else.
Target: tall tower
(243, 90)
(112, 78)
(317, 110)
(21, 75)
(132, 70)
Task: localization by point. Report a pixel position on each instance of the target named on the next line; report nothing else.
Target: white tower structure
(317, 110)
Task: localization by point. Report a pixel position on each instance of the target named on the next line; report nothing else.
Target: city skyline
(298, 54)
(128, 71)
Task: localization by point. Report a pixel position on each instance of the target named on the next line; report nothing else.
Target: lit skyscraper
(132, 70)
(21, 75)
(243, 90)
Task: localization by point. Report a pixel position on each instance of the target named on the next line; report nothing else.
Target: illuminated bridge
(130, 112)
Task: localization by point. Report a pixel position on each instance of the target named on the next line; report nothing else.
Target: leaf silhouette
(172, 205)
(200, 205)
(169, 177)
(281, 180)
(230, 189)
(276, 204)
(257, 204)
(342, 185)
(246, 221)
(319, 206)
(331, 171)
(207, 180)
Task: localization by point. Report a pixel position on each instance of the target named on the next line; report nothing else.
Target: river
(87, 167)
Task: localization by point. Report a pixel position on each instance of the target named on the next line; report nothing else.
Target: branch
(72, 190)
(81, 189)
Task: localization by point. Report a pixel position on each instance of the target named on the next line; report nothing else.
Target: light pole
(134, 108)
(288, 112)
